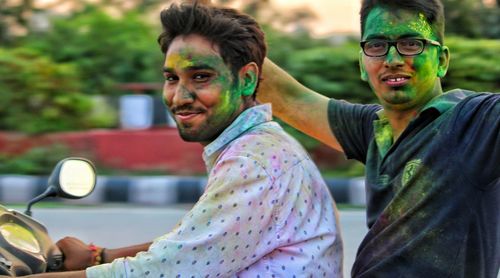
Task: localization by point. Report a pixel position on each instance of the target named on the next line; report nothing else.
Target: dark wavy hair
(238, 36)
(432, 10)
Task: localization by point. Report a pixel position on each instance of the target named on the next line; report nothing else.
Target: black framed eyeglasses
(405, 47)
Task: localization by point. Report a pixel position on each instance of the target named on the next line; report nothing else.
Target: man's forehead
(189, 57)
(177, 60)
(193, 43)
(386, 22)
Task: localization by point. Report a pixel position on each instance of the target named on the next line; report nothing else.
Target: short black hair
(433, 11)
(238, 36)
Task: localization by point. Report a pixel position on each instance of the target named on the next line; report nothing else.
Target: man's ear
(444, 61)
(364, 74)
(248, 78)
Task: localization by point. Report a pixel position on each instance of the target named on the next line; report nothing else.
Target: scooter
(25, 246)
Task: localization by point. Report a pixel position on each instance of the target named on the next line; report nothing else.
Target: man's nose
(183, 95)
(393, 58)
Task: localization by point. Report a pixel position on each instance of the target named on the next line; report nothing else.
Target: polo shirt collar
(446, 101)
(441, 103)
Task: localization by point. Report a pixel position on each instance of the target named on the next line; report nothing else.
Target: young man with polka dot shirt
(266, 211)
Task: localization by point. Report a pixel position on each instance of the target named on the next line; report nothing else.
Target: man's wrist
(108, 255)
(103, 256)
(96, 254)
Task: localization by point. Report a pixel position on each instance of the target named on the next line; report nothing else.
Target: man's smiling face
(200, 90)
(403, 82)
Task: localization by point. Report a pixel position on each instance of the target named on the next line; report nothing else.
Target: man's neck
(248, 103)
(399, 120)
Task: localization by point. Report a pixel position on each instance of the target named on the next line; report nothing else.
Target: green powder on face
(387, 24)
(422, 27)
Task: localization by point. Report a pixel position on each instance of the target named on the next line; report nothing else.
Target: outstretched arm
(296, 104)
(112, 254)
(78, 255)
(72, 274)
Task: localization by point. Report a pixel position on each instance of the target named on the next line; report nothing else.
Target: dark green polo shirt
(433, 195)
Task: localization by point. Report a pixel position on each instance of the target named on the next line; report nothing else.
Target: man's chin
(397, 97)
(188, 137)
(195, 137)
(200, 133)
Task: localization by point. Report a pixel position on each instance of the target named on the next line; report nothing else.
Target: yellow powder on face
(176, 60)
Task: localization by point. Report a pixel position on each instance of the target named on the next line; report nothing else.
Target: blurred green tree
(37, 161)
(38, 95)
(461, 17)
(471, 18)
(44, 85)
(106, 50)
(490, 22)
(13, 14)
(333, 71)
(474, 65)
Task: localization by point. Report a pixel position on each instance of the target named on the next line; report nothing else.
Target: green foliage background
(106, 50)
(39, 95)
(36, 161)
(47, 80)
(474, 65)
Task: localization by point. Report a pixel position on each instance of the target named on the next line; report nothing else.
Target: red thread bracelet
(96, 254)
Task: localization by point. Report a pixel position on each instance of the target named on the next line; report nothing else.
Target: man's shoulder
(373, 107)
(269, 135)
(486, 102)
(266, 142)
(350, 114)
(457, 100)
(476, 113)
(474, 96)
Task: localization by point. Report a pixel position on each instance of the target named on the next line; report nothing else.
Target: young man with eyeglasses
(432, 158)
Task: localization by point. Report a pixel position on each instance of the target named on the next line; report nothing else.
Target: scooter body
(25, 245)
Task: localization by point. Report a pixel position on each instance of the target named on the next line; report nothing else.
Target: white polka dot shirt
(266, 212)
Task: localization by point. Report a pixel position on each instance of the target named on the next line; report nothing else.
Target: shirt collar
(246, 120)
(448, 100)
(441, 103)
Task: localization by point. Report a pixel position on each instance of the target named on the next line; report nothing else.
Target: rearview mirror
(72, 178)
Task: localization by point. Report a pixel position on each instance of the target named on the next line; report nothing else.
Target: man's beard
(207, 132)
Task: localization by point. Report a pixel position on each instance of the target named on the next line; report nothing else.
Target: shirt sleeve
(220, 235)
(480, 138)
(352, 125)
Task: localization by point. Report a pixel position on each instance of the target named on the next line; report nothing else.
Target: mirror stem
(49, 192)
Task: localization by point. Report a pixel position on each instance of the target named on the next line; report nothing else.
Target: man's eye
(201, 77)
(408, 43)
(376, 45)
(170, 78)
